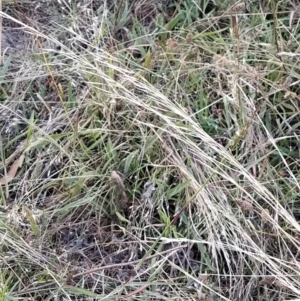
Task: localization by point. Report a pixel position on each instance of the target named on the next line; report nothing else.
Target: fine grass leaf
(178, 188)
(151, 141)
(129, 159)
(43, 141)
(4, 69)
(166, 220)
(81, 291)
(171, 26)
(148, 59)
(80, 182)
(12, 171)
(30, 130)
(122, 218)
(29, 216)
(71, 103)
(205, 255)
(175, 21)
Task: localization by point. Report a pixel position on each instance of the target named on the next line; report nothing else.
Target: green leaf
(150, 142)
(175, 21)
(147, 61)
(122, 218)
(4, 69)
(81, 291)
(30, 129)
(129, 159)
(171, 25)
(164, 218)
(205, 256)
(79, 184)
(30, 217)
(71, 100)
(178, 188)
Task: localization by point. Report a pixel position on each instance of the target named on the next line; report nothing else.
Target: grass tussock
(149, 150)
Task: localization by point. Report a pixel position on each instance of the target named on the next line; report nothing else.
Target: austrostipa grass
(150, 152)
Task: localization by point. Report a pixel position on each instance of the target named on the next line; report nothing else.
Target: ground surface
(149, 150)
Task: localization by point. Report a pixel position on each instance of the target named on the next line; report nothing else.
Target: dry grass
(150, 152)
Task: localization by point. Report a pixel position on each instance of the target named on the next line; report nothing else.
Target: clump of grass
(160, 164)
